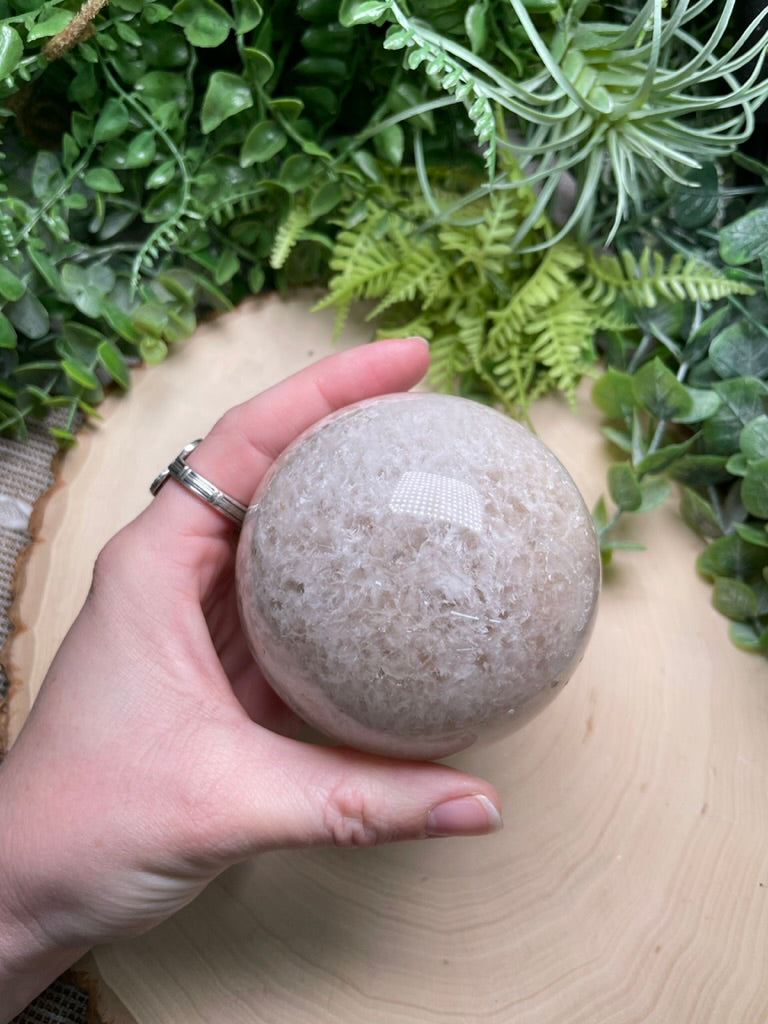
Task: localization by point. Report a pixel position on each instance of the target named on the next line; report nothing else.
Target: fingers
(246, 440)
(303, 795)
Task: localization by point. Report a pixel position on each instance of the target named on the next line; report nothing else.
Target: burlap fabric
(25, 475)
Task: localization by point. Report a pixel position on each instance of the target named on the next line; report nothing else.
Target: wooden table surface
(630, 883)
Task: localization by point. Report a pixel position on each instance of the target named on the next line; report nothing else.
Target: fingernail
(418, 337)
(464, 816)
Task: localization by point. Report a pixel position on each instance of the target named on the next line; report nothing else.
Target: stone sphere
(415, 571)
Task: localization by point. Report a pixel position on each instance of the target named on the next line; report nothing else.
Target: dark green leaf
(752, 534)
(390, 144)
(361, 12)
(141, 150)
(101, 179)
(697, 204)
(654, 491)
(744, 399)
(734, 598)
(699, 514)
(614, 395)
(112, 121)
(745, 239)
(753, 440)
(737, 464)
(258, 65)
(248, 14)
(659, 390)
(227, 266)
(624, 487)
(29, 316)
(747, 637)
(86, 286)
(704, 404)
(80, 374)
(732, 556)
(47, 177)
(205, 23)
(476, 25)
(700, 470)
(297, 172)
(11, 50)
(662, 458)
(7, 332)
(111, 358)
(162, 174)
(227, 94)
(754, 488)
(620, 438)
(11, 287)
(262, 142)
(740, 350)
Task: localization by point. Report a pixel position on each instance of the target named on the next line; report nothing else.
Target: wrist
(31, 955)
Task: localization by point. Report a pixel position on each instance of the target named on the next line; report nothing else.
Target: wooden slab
(631, 881)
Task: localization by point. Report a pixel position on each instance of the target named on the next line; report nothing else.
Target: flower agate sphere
(416, 570)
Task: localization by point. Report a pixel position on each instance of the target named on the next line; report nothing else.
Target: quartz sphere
(414, 571)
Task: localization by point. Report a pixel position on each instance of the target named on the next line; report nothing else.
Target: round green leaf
(732, 556)
(624, 487)
(29, 316)
(226, 95)
(258, 65)
(740, 350)
(297, 172)
(612, 393)
(11, 50)
(734, 598)
(657, 388)
(262, 142)
(746, 238)
(141, 150)
(753, 440)
(745, 636)
(205, 23)
(754, 488)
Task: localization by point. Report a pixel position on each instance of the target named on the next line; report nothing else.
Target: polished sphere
(417, 570)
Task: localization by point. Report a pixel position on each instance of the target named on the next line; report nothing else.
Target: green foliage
(686, 403)
(503, 324)
(163, 161)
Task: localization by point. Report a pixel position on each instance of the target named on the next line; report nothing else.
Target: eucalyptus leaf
(753, 439)
(732, 556)
(657, 388)
(699, 513)
(745, 239)
(754, 488)
(734, 598)
(740, 350)
(624, 487)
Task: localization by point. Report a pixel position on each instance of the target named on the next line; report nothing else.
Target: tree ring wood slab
(630, 884)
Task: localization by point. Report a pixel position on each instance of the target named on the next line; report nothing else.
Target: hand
(156, 755)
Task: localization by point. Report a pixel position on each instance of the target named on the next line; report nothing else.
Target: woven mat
(25, 475)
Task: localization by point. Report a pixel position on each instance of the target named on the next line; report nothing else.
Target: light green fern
(508, 324)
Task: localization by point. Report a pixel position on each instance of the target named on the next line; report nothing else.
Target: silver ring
(199, 486)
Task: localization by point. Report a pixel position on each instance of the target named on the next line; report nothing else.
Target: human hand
(156, 755)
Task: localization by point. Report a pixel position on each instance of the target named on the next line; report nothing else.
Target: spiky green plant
(618, 103)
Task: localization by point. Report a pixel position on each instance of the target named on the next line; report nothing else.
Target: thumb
(304, 795)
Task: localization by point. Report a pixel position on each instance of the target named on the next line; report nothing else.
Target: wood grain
(631, 881)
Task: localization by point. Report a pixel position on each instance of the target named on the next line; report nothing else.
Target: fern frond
(649, 279)
(423, 46)
(449, 360)
(288, 234)
(563, 340)
(488, 244)
(541, 289)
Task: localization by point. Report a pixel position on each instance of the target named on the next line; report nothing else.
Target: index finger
(246, 440)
